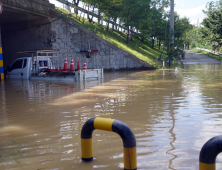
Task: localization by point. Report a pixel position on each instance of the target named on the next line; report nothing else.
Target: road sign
(1, 8)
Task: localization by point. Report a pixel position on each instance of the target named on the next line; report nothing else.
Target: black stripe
(130, 169)
(88, 129)
(210, 150)
(87, 159)
(125, 132)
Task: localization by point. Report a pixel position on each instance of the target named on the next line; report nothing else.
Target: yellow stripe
(2, 82)
(203, 166)
(103, 123)
(1, 63)
(130, 161)
(0, 50)
(86, 148)
(2, 76)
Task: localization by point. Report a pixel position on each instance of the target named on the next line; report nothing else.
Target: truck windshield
(16, 65)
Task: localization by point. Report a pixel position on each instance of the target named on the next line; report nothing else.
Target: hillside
(141, 50)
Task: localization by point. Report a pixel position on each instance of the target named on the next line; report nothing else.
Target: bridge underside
(19, 31)
(11, 19)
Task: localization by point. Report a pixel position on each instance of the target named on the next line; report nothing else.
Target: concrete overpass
(17, 17)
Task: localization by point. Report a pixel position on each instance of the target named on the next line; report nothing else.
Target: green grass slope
(141, 50)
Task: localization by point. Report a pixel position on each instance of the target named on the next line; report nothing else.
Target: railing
(209, 51)
(87, 12)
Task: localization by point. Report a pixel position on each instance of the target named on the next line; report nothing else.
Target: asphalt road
(192, 57)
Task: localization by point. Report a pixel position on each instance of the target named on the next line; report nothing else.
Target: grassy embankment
(208, 54)
(141, 50)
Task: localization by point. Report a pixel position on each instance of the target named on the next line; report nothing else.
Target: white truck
(20, 68)
(40, 66)
(25, 67)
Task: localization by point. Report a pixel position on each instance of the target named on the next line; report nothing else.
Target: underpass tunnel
(21, 30)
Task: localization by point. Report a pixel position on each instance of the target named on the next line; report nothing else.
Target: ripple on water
(172, 114)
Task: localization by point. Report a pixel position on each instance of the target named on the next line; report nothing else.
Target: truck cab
(20, 68)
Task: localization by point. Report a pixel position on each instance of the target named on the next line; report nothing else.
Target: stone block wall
(70, 38)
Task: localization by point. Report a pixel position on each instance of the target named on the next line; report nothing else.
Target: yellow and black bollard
(1, 65)
(209, 152)
(129, 141)
(1, 58)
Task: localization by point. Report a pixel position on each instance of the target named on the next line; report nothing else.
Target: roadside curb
(212, 52)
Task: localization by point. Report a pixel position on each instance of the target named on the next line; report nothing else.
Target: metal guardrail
(209, 51)
(78, 8)
(86, 11)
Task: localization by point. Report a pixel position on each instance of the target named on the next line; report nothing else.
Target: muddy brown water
(171, 112)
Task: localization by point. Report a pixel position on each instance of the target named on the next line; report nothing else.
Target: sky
(191, 9)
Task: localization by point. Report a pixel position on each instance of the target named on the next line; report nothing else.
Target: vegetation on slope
(141, 50)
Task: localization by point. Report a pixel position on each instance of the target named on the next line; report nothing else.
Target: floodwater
(171, 112)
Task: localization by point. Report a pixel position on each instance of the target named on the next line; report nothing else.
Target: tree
(212, 24)
(76, 3)
(181, 26)
(151, 20)
(193, 38)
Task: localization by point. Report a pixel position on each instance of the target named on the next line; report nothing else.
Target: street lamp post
(171, 28)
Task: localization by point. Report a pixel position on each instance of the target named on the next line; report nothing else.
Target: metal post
(171, 27)
(172, 19)
(1, 58)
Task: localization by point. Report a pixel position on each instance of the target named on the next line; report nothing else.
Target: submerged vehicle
(43, 64)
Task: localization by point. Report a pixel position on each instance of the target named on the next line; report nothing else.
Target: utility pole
(171, 28)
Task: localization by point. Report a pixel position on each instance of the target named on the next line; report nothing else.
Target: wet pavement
(193, 57)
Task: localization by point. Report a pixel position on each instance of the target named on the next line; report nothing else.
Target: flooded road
(193, 57)
(171, 112)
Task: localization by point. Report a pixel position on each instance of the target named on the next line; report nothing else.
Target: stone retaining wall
(70, 38)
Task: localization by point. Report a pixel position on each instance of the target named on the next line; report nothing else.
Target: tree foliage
(209, 35)
(146, 19)
(212, 29)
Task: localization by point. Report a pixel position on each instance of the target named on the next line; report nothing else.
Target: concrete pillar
(1, 58)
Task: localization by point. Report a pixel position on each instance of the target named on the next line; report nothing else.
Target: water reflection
(173, 135)
(171, 112)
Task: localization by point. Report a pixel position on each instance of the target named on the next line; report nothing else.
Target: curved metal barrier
(209, 152)
(129, 141)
